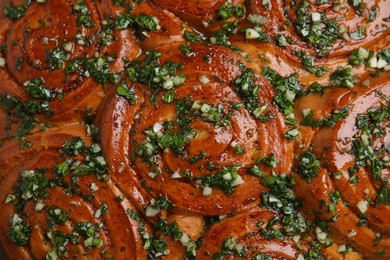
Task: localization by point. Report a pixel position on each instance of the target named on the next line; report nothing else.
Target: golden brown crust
(120, 118)
(194, 129)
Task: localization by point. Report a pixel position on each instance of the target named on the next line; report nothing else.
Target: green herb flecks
(56, 58)
(83, 14)
(156, 247)
(173, 230)
(20, 230)
(142, 21)
(36, 89)
(320, 33)
(280, 197)
(154, 75)
(124, 91)
(308, 166)
(210, 113)
(24, 113)
(329, 121)
(372, 125)
(228, 9)
(288, 89)
(342, 77)
(231, 247)
(248, 89)
(308, 64)
(15, 12)
(226, 179)
(98, 68)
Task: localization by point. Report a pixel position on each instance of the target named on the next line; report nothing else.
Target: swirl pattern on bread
(194, 129)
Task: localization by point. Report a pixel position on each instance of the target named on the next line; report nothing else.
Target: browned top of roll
(194, 129)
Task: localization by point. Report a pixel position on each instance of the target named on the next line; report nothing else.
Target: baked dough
(194, 129)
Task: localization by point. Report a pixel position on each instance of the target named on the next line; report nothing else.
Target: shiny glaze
(119, 242)
(214, 142)
(118, 119)
(245, 227)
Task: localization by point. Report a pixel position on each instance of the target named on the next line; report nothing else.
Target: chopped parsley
(342, 77)
(152, 74)
(358, 5)
(25, 111)
(173, 230)
(320, 34)
(148, 22)
(280, 197)
(288, 88)
(31, 185)
(329, 121)
(308, 166)
(56, 58)
(156, 247)
(90, 232)
(192, 37)
(308, 64)
(212, 114)
(36, 89)
(248, 89)
(231, 247)
(142, 21)
(98, 68)
(20, 231)
(226, 179)
(372, 125)
(57, 215)
(94, 161)
(15, 12)
(360, 56)
(124, 91)
(228, 9)
(383, 195)
(83, 14)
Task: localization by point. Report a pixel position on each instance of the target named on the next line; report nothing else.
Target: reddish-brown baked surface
(194, 129)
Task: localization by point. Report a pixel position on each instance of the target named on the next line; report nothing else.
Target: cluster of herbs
(373, 125)
(87, 230)
(226, 179)
(287, 89)
(141, 21)
(124, 91)
(98, 68)
(269, 160)
(211, 113)
(25, 113)
(173, 230)
(342, 77)
(328, 121)
(82, 12)
(15, 12)
(308, 166)
(248, 89)
(172, 135)
(156, 247)
(94, 161)
(320, 34)
(308, 63)
(231, 247)
(56, 58)
(281, 197)
(228, 9)
(33, 185)
(154, 75)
